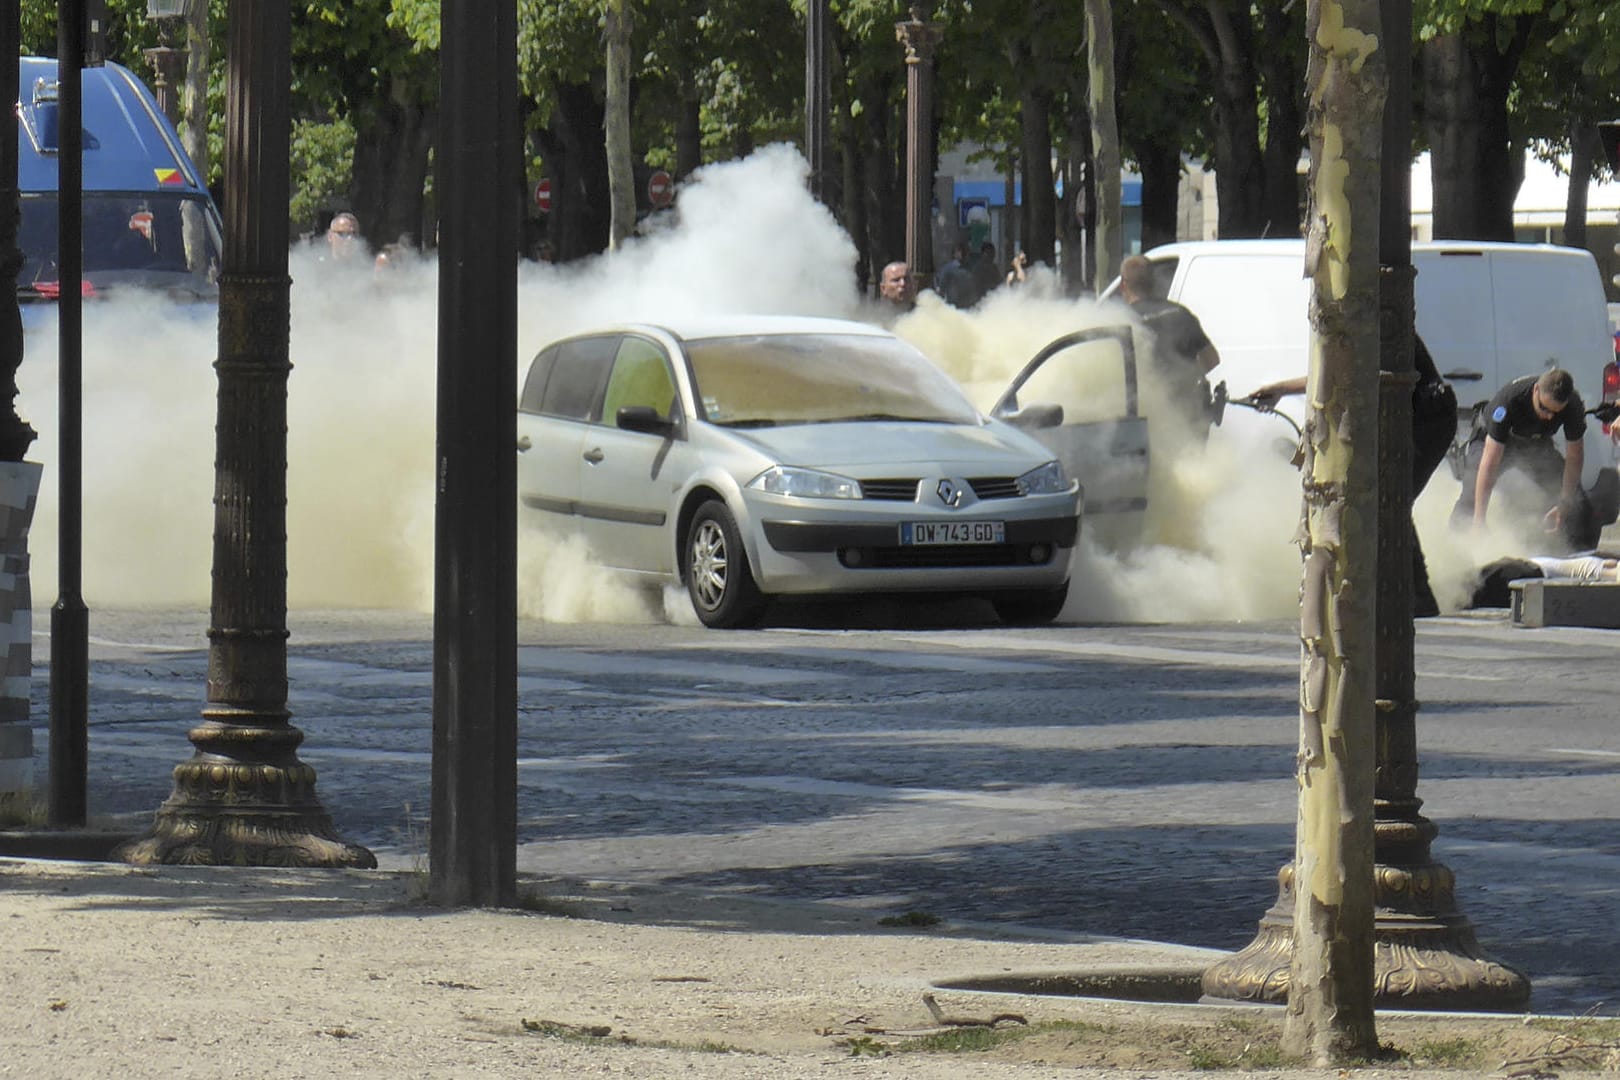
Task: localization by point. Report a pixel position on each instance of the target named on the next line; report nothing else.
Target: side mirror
(1035, 417)
(645, 419)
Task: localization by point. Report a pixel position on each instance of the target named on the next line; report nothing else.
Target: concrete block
(1537, 602)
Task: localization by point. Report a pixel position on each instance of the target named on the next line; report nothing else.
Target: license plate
(952, 532)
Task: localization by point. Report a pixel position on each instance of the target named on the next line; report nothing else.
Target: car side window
(534, 384)
(641, 376)
(574, 386)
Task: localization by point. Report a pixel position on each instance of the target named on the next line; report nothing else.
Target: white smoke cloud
(746, 237)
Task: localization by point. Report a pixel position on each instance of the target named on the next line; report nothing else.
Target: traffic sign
(660, 189)
(542, 196)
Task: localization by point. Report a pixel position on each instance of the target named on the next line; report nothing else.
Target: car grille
(904, 558)
(901, 490)
(995, 487)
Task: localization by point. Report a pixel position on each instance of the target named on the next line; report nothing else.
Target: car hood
(896, 443)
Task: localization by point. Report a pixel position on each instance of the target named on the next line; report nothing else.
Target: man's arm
(1574, 459)
(1490, 466)
(1268, 394)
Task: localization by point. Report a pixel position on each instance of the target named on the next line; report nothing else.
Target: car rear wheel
(1030, 607)
(718, 579)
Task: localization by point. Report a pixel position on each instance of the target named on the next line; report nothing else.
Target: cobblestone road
(1132, 781)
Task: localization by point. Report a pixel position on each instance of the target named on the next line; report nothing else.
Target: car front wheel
(722, 587)
(1030, 607)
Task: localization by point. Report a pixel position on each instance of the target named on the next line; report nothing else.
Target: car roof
(698, 327)
(128, 144)
(1295, 245)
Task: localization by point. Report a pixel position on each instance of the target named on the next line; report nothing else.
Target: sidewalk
(187, 972)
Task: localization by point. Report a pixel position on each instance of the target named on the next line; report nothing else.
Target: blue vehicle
(149, 221)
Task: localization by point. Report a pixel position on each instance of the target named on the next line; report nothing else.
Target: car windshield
(777, 379)
(150, 239)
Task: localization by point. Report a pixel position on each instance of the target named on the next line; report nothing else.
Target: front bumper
(797, 556)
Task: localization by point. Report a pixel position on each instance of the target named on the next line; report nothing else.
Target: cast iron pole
(244, 798)
(1426, 956)
(473, 834)
(919, 36)
(70, 621)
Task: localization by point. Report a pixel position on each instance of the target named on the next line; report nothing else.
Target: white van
(1489, 312)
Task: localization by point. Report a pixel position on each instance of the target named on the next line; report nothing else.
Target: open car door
(1079, 397)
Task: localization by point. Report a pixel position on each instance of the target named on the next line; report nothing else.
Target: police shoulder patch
(1500, 414)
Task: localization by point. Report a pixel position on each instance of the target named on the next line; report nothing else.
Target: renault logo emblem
(949, 494)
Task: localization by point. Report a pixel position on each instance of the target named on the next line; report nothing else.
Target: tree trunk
(688, 134)
(393, 137)
(577, 159)
(884, 201)
(1040, 200)
(852, 199)
(616, 127)
(1475, 166)
(1329, 1019)
(194, 102)
(1282, 80)
(1160, 163)
(1078, 267)
(1110, 247)
(1582, 157)
(1239, 178)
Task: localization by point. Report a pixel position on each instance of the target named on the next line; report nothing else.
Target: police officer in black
(1515, 431)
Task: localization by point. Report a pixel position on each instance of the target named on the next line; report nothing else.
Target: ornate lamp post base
(225, 811)
(1425, 953)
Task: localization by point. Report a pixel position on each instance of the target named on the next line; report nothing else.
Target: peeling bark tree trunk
(616, 127)
(1330, 994)
(1110, 246)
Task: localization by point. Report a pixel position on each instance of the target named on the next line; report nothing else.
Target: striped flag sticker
(169, 176)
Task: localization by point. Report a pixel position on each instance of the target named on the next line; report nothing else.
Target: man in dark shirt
(1518, 426)
(1182, 355)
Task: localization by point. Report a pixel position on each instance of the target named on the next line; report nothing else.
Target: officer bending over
(1518, 428)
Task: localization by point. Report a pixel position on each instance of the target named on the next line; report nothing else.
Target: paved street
(1122, 780)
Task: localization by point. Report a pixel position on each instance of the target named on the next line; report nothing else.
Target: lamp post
(244, 798)
(1425, 952)
(166, 60)
(919, 36)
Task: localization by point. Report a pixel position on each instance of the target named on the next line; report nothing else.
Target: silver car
(752, 457)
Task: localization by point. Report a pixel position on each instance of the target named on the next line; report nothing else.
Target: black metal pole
(473, 834)
(70, 620)
(244, 798)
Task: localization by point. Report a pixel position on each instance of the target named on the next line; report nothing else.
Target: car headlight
(1048, 479)
(805, 483)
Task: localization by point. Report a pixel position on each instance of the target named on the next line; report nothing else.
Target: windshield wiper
(748, 422)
